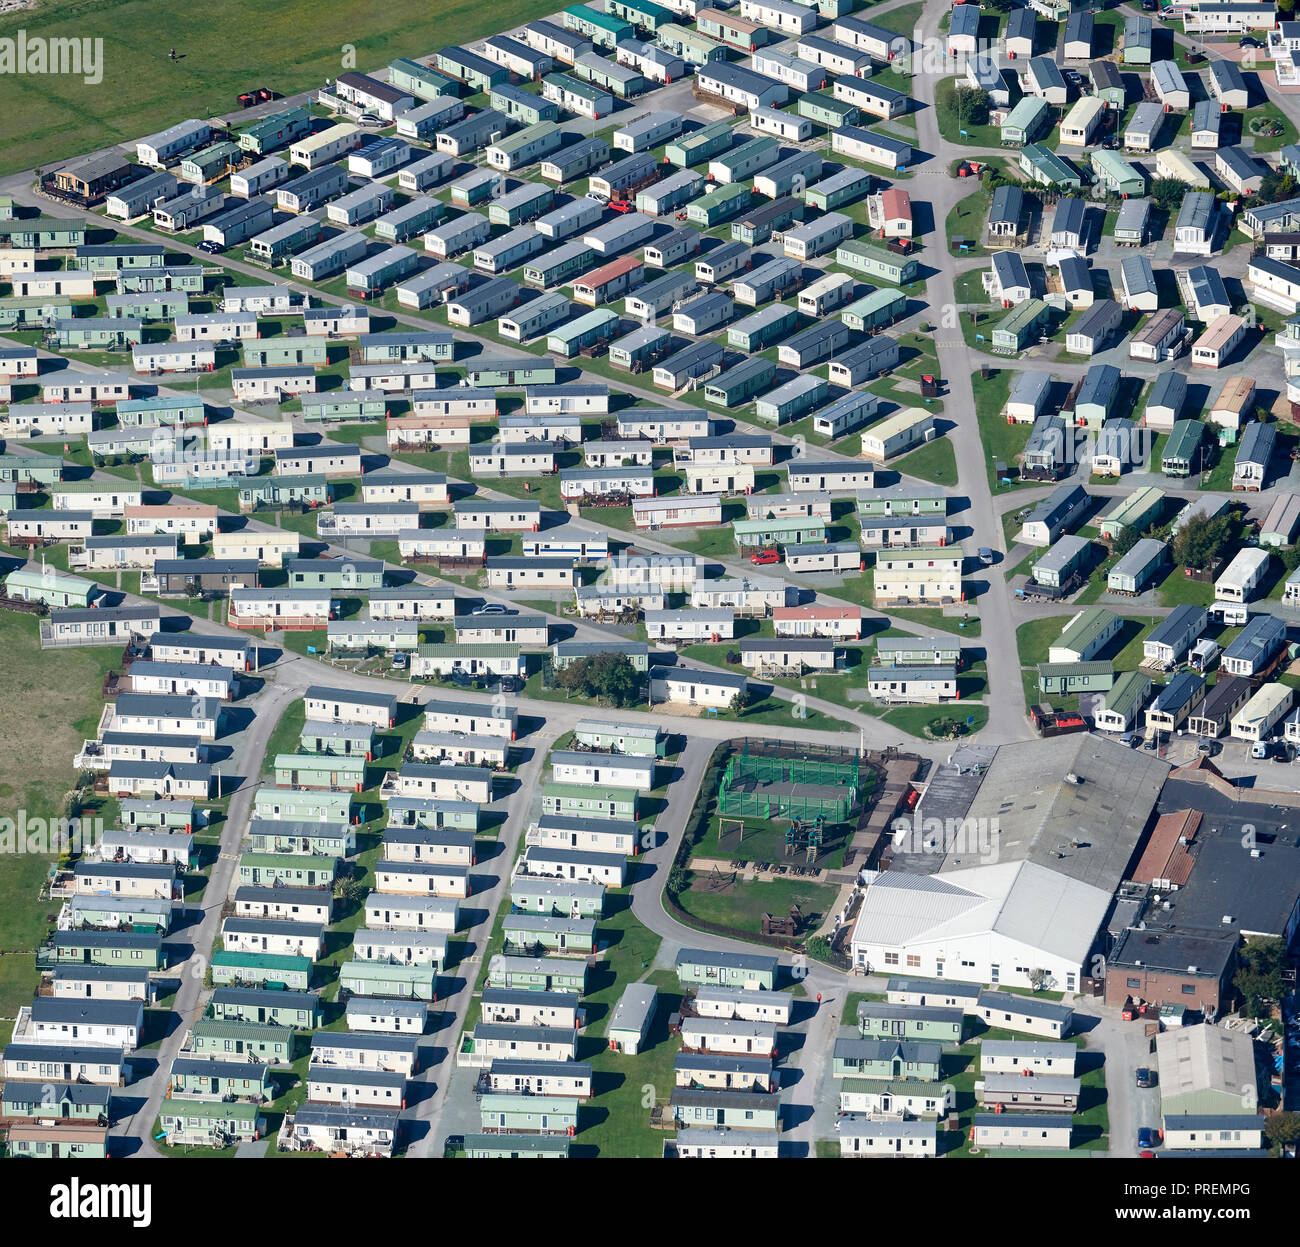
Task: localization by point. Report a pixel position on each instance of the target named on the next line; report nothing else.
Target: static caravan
(572, 218)
(873, 358)
(816, 237)
(575, 160)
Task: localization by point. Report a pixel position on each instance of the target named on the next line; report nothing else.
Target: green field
(742, 905)
(222, 50)
(51, 699)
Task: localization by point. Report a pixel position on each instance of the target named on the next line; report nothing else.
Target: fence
(784, 805)
(762, 781)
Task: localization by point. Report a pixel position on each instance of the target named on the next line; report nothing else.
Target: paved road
(195, 942)
(960, 364)
(427, 1138)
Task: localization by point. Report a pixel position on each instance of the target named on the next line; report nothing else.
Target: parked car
(1259, 749)
(1249, 42)
(1146, 1138)
(1146, 1077)
(210, 248)
(370, 121)
(490, 608)
(765, 558)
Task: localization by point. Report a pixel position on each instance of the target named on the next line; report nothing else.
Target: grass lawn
(901, 20)
(1219, 477)
(763, 840)
(969, 287)
(1035, 638)
(961, 1071)
(922, 720)
(1269, 112)
(934, 462)
(291, 46)
(927, 617)
(850, 1015)
(50, 697)
(950, 126)
(742, 905)
(785, 714)
(1002, 442)
(286, 735)
(615, 1122)
(966, 220)
(1179, 588)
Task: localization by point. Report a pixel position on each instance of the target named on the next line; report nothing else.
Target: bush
(970, 106)
(698, 819)
(1168, 193)
(610, 676)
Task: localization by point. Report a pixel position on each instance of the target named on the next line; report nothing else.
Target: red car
(765, 558)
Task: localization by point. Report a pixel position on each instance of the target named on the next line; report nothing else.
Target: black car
(211, 248)
(1248, 42)
(1146, 1077)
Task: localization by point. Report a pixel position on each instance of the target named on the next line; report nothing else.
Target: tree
(1282, 1128)
(818, 947)
(1202, 541)
(946, 729)
(1125, 540)
(1259, 974)
(970, 106)
(609, 676)
(1040, 980)
(676, 881)
(1168, 193)
(1274, 186)
(617, 679)
(349, 890)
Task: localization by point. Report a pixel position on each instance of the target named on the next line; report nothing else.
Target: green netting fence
(760, 782)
